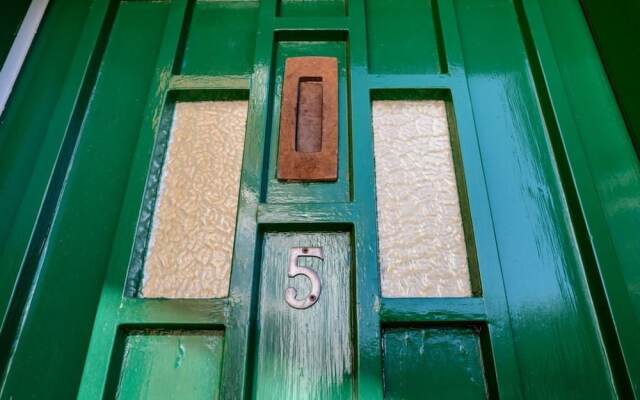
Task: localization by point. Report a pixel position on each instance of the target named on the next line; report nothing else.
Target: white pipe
(19, 49)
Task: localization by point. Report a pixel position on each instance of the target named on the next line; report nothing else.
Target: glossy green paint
(170, 365)
(221, 38)
(604, 172)
(106, 122)
(318, 8)
(555, 311)
(304, 354)
(441, 363)
(29, 146)
(403, 39)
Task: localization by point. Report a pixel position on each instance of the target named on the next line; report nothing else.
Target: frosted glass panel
(191, 243)
(421, 240)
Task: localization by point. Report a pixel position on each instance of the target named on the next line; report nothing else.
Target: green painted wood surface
(438, 363)
(221, 38)
(310, 9)
(538, 250)
(75, 259)
(171, 365)
(115, 309)
(402, 37)
(304, 354)
(554, 233)
(605, 173)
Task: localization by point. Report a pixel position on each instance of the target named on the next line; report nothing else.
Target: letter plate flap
(308, 146)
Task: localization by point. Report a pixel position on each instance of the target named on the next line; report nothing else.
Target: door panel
(170, 365)
(28, 151)
(320, 8)
(221, 38)
(304, 353)
(435, 362)
(76, 256)
(538, 251)
(531, 319)
(404, 40)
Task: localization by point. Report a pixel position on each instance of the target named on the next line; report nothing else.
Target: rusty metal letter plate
(308, 148)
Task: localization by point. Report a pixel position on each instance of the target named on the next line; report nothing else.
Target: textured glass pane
(191, 243)
(421, 239)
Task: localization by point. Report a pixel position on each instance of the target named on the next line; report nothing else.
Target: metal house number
(295, 270)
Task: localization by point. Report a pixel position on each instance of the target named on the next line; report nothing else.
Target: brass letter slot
(308, 148)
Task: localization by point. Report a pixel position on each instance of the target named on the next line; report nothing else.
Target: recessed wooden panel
(315, 8)
(304, 353)
(433, 363)
(221, 38)
(104, 144)
(402, 37)
(171, 365)
(309, 116)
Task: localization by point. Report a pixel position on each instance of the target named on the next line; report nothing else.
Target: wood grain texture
(444, 363)
(171, 365)
(304, 354)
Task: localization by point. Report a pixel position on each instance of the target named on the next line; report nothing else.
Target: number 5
(295, 270)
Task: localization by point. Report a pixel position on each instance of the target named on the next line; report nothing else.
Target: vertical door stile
(103, 344)
(419, 184)
(48, 170)
(493, 290)
(236, 379)
(368, 341)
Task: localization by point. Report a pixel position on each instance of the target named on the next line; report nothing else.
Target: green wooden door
(545, 181)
